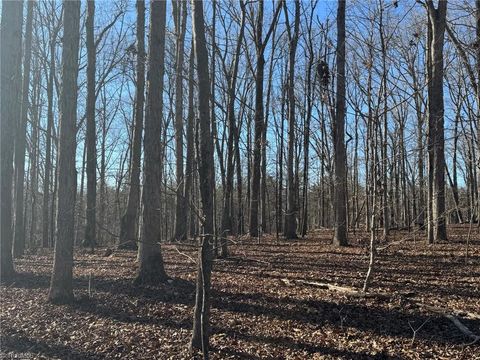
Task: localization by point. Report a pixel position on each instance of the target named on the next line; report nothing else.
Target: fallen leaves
(255, 315)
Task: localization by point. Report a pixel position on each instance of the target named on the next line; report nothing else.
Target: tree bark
(227, 223)
(48, 147)
(340, 236)
(290, 229)
(19, 242)
(128, 224)
(91, 141)
(207, 184)
(150, 262)
(61, 282)
(10, 60)
(180, 16)
(437, 18)
(189, 165)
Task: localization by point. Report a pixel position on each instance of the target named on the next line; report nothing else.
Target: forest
(240, 179)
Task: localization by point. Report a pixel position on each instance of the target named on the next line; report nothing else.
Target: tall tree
(227, 223)
(129, 219)
(10, 60)
(339, 152)
(189, 164)
(290, 224)
(19, 242)
(53, 30)
(180, 17)
(437, 21)
(260, 45)
(61, 282)
(150, 261)
(207, 184)
(91, 164)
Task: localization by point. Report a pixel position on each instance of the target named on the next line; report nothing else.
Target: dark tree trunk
(90, 142)
(436, 121)
(61, 282)
(290, 229)
(35, 151)
(150, 261)
(48, 147)
(19, 243)
(340, 236)
(189, 165)
(227, 223)
(10, 60)
(180, 16)
(207, 184)
(128, 228)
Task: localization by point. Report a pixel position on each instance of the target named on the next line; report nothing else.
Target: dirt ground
(256, 313)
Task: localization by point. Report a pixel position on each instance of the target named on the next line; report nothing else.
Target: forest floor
(259, 310)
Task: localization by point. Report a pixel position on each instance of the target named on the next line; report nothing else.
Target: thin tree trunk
(128, 230)
(90, 238)
(207, 185)
(180, 16)
(35, 151)
(19, 242)
(189, 165)
(48, 147)
(227, 223)
(290, 226)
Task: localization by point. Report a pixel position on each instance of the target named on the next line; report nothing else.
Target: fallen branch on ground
(345, 289)
(454, 319)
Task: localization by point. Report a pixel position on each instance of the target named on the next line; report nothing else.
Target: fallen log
(454, 319)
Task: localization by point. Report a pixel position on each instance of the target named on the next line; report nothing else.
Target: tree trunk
(385, 204)
(35, 151)
(340, 236)
(61, 281)
(257, 142)
(19, 242)
(90, 142)
(10, 60)
(436, 121)
(227, 222)
(290, 229)
(180, 16)
(128, 229)
(189, 165)
(150, 261)
(207, 184)
(48, 147)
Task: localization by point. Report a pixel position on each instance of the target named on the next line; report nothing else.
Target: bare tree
(91, 144)
(10, 60)
(180, 17)
(260, 45)
(340, 236)
(150, 261)
(290, 225)
(19, 242)
(437, 24)
(129, 219)
(227, 221)
(189, 164)
(207, 185)
(61, 282)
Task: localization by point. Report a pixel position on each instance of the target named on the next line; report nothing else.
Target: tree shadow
(23, 346)
(284, 341)
(377, 319)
